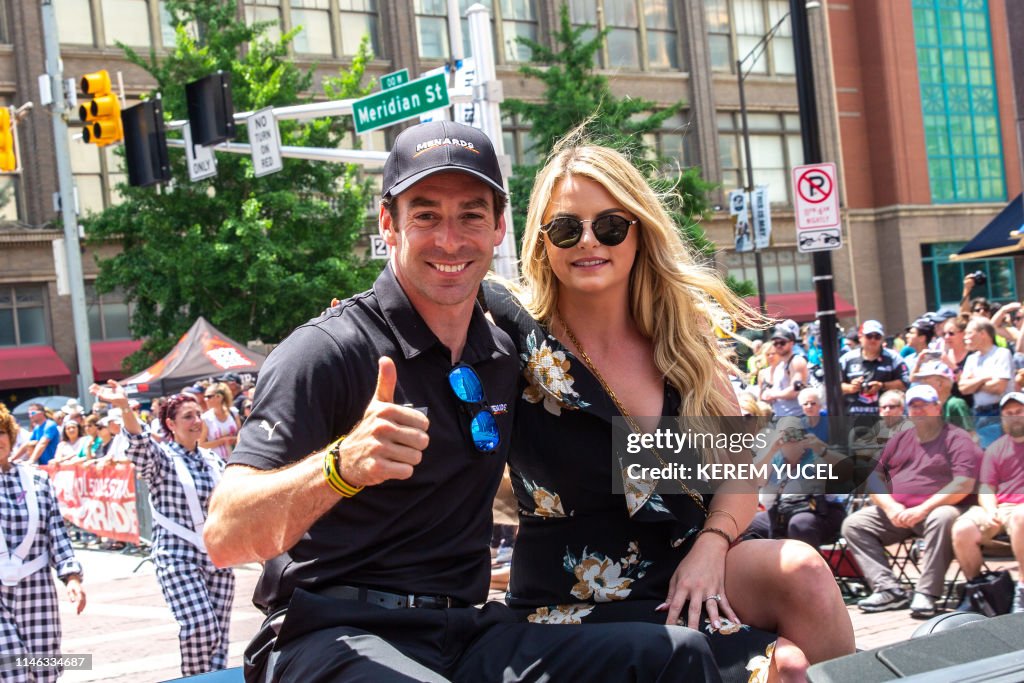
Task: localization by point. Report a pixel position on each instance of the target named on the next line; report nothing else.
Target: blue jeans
(988, 424)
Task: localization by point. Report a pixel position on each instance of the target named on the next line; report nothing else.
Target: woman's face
(90, 429)
(952, 334)
(72, 430)
(589, 266)
(187, 425)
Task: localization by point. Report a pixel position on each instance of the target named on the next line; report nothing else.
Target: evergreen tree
(255, 256)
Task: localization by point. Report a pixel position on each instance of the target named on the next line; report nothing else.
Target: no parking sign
(818, 223)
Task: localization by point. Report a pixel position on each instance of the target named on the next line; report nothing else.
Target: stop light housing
(211, 114)
(8, 148)
(102, 114)
(145, 144)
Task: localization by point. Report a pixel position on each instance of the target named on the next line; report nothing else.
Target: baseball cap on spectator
(851, 333)
(781, 332)
(1012, 396)
(230, 377)
(194, 389)
(872, 327)
(922, 392)
(923, 325)
(935, 368)
(440, 147)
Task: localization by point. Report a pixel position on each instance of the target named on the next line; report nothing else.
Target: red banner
(100, 500)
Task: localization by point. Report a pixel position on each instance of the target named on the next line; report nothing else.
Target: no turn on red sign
(816, 194)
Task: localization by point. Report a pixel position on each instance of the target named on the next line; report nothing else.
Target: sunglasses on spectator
(33, 412)
(468, 388)
(566, 231)
(210, 395)
(873, 335)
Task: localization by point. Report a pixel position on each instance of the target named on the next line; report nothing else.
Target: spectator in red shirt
(1000, 507)
(929, 469)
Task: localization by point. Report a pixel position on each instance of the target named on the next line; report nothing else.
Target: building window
(775, 146)
(263, 11)
(22, 315)
(74, 22)
(735, 27)
(96, 171)
(631, 25)
(108, 314)
(519, 145)
(358, 18)
(944, 279)
(959, 100)
(671, 142)
(510, 19)
(314, 17)
(126, 21)
(786, 271)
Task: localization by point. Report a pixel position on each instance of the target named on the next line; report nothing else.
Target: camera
(979, 278)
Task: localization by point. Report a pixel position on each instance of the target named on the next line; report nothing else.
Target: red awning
(800, 306)
(22, 367)
(107, 357)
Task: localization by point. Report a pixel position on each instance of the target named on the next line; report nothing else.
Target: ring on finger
(716, 597)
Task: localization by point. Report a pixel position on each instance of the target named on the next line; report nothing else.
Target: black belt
(391, 600)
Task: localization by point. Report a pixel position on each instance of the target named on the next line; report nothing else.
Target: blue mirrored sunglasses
(468, 388)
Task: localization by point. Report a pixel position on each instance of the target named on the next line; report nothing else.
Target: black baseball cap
(440, 147)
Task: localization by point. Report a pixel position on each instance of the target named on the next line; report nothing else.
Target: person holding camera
(788, 376)
(978, 305)
(796, 506)
(870, 370)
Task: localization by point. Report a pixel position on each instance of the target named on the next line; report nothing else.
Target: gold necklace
(633, 424)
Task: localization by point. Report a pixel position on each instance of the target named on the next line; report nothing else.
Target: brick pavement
(132, 636)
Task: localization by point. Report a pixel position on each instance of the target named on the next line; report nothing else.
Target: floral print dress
(585, 554)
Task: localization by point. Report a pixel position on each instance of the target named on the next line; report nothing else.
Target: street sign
(201, 161)
(761, 217)
(407, 101)
(818, 223)
(265, 142)
(378, 247)
(741, 221)
(394, 79)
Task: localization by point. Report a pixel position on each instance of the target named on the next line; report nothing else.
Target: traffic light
(211, 114)
(145, 145)
(8, 150)
(102, 115)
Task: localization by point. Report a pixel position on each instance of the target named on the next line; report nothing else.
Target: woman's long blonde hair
(675, 299)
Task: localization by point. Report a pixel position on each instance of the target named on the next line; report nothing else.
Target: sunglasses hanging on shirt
(468, 388)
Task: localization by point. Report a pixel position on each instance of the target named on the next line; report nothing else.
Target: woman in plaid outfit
(32, 540)
(181, 477)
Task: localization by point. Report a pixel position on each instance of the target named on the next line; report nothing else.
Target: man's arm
(797, 373)
(38, 451)
(256, 515)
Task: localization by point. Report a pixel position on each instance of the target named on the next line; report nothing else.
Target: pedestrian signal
(102, 115)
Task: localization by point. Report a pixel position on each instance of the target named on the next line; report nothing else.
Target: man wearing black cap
(376, 545)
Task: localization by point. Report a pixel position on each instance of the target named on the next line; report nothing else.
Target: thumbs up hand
(389, 441)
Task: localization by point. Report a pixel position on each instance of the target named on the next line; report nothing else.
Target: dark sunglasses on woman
(566, 231)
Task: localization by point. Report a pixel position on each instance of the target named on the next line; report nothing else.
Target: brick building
(915, 99)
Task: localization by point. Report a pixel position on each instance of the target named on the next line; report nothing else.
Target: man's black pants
(329, 640)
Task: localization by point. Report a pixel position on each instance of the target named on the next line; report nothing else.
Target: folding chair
(906, 555)
(851, 581)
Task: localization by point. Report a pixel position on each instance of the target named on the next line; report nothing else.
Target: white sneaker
(922, 606)
(1018, 599)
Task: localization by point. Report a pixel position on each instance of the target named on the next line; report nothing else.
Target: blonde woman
(616, 320)
(220, 424)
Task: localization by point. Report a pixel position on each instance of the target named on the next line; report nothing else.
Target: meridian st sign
(405, 101)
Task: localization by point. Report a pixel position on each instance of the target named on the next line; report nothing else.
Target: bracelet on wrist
(332, 474)
(727, 514)
(716, 531)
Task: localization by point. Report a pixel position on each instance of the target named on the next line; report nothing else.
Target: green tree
(255, 256)
(574, 93)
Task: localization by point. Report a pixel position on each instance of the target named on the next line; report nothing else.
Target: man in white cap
(870, 370)
(1000, 507)
(927, 472)
(939, 376)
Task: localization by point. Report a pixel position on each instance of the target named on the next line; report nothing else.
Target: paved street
(132, 636)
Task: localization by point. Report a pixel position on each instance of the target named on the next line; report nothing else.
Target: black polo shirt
(425, 535)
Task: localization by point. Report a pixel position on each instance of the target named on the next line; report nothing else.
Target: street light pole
(823, 282)
(741, 76)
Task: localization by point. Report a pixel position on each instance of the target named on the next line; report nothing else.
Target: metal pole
(67, 205)
(740, 77)
(823, 283)
(489, 95)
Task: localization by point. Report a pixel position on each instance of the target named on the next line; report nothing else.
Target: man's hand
(389, 441)
(873, 388)
(908, 518)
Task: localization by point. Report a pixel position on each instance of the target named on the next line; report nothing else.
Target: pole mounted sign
(738, 209)
(394, 79)
(402, 102)
(265, 139)
(818, 223)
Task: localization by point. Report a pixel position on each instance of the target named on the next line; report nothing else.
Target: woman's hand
(76, 594)
(113, 393)
(699, 576)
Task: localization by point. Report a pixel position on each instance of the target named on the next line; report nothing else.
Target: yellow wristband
(333, 477)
